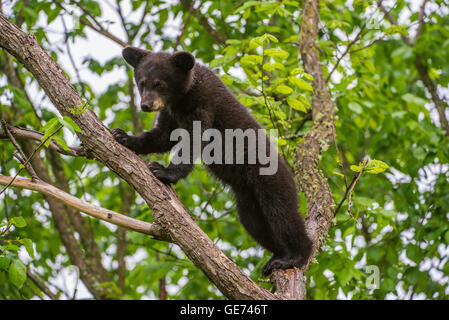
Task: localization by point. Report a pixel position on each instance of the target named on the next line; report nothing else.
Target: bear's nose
(145, 107)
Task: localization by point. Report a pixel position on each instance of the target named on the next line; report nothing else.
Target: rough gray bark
(168, 211)
(320, 203)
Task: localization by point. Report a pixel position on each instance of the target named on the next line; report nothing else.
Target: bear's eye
(158, 84)
(141, 83)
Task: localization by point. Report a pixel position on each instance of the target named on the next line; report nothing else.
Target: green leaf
(4, 263)
(269, 66)
(373, 166)
(17, 273)
(70, 124)
(276, 53)
(446, 237)
(301, 84)
(28, 244)
(296, 104)
(251, 60)
(283, 89)
(387, 213)
(255, 43)
(266, 38)
(296, 71)
(221, 61)
(247, 4)
(53, 14)
(60, 141)
(355, 107)
(281, 142)
(415, 104)
(18, 222)
(50, 123)
(50, 128)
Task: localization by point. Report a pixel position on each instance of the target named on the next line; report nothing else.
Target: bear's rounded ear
(183, 60)
(133, 55)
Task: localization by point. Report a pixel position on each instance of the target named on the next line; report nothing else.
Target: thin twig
(217, 36)
(97, 28)
(393, 21)
(24, 133)
(288, 121)
(350, 188)
(139, 26)
(293, 136)
(420, 20)
(357, 37)
(72, 61)
(353, 186)
(29, 159)
(27, 166)
(178, 39)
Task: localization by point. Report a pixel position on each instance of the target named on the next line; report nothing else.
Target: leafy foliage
(383, 110)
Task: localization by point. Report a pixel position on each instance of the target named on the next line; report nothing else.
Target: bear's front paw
(162, 173)
(121, 137)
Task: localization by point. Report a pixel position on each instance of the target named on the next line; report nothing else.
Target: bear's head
(162, 78)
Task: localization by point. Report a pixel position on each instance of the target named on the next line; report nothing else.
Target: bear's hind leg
(292, 246)
(252, 219)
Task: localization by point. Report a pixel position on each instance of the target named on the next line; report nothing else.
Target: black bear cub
(184, 92)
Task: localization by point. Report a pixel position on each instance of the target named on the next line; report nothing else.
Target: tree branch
(97, 27)
(320, 202)
(41, 285)
(23, 133)
(27, 165)
(186, 22)
(420, 20)
(393, 22)
(89, 209)
(218, 37)
(167, 210)
(430, 85)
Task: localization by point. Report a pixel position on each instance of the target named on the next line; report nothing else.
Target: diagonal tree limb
(440, 105)
(167, 210)
(40, 284)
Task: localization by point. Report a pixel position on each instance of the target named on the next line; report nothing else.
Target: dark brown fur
(267, 204)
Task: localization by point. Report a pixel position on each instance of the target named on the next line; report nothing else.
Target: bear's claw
(161, 173)
(120, 136)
